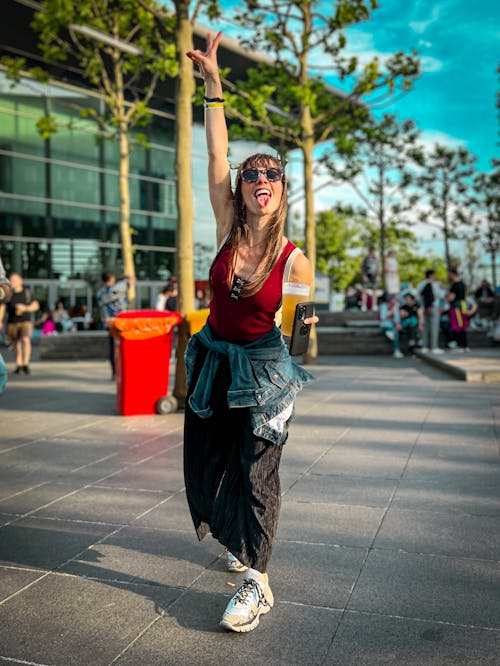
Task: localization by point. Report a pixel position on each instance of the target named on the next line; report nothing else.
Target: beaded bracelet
(214, 99)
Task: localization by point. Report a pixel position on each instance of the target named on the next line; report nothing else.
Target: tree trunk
(494, 268)
(381, 221)
(184, 192)
(446, 235)
(310, 226)
(183, 141)
(125, 231)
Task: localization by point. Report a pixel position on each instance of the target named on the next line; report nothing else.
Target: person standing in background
(4, 294)
(429, 293)
(20, 307)
(171, 302)
(370, 274)
(163, 296)
(391, 274)
(111, 300)
(456, 298)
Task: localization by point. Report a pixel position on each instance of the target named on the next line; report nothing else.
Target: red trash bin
(143, 346)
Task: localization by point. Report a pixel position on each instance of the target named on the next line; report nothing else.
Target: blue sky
(454, 100)
(458, 41)
(459, 44)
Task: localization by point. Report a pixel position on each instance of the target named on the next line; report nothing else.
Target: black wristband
(214, 99)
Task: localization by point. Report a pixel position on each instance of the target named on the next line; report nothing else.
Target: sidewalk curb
(452, 366)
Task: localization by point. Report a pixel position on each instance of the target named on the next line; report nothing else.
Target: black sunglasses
(251, 175)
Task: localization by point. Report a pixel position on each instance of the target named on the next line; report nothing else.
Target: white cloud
(429, 138)
(361, 45)
(421, 26)
(430, 65)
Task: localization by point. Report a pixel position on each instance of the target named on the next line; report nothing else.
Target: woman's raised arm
(219, 176)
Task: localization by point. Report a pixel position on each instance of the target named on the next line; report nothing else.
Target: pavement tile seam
(126, 465)
(60, 434)
(17, 567)
(355, 477)
(340, 504)
(94, 462)
(136, 639)
(24, 490)
(21, 446)
(75, 521)
(277, 602)
(25, 587)
(168, 447)
(160, 530)
(89, 486)
(157, 506)
(102, 486)
(113, 533)
(444, 511)
(357, 612)
(10, 518)
(443, 556)
(62, 497)
(337, 439)
(122, 581)
(320, 544)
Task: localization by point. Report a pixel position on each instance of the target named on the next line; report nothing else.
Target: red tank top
(247, 318)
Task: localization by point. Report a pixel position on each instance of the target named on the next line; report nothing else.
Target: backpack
(428, 295)
(458, 318)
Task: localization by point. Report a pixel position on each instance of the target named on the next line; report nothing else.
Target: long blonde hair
(239, 229)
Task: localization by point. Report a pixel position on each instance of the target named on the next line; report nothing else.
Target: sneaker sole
(237, 568)
(244, 628)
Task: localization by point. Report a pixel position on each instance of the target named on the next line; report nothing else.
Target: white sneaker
(437, 350)
(390, 335)
(234, 565)
(251, 600)
(424, 349)
(397, 354)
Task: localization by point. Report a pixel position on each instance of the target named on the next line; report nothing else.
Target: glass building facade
(59, 197)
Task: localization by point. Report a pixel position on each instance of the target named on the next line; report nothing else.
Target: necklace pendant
(237, 288)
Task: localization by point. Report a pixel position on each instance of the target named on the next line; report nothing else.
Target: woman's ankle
(258, 576)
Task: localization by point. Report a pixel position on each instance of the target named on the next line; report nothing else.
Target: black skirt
(232, 480)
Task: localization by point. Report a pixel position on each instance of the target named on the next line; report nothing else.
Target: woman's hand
(311, 320)
(207, 61)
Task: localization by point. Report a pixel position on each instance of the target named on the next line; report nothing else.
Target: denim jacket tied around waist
(263, 377)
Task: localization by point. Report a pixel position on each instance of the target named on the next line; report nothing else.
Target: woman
(242, 382)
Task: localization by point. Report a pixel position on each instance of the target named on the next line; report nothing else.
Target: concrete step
(77, 346)
(361, 337)
(368, 340)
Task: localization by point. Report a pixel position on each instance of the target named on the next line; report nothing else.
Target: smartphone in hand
(299, 340)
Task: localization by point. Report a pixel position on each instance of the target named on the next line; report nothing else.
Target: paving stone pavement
(387, 550)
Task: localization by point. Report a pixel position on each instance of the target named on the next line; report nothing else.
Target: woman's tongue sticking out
(263, 195)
